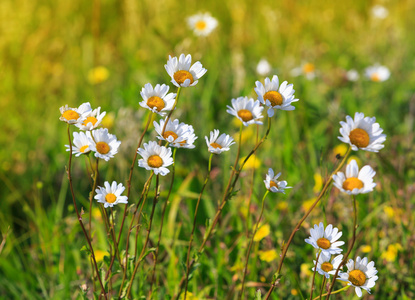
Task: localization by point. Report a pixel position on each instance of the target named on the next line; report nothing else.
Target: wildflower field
(207, 149)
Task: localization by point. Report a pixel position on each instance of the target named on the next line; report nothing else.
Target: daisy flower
(181, 71)
(377, 73)
(104, 144)
(263, 67)
(327, 267)
(92, 119)
(110, 195)
(202, 24)
(155, 157)
(156, 99)
(362, 133)
(175, 133)
(325, 239)
(307, 69)
(218, 144)
(360, 274)
(355, 181)
(247, 110)
(273, 185)
(379, 11)
(352, 75)
(74, 115)
(274, 95)
(81, 143)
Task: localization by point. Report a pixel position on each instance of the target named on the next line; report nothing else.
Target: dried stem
(314, 276)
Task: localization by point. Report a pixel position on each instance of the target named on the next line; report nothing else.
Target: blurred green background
(54, 53)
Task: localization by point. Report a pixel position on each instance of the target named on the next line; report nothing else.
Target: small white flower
(157, 100)
(360, 274)
(247, 110)
(110, 195)
(155, 157)
(179, 135)
(202, 24)
(379, 11)
(104, 144)
(355, 181)
(362, 133)
(181, 71)
(307, 69)
(325, 266)
(81, 143)
(352, 75)
(274, 95)
(263, 68)
(273, 185)
(92, 119)
(377, 73)
(218, 144)
(74, 115)
(325, 239)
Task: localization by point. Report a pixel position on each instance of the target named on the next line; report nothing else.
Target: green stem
(91, 196)
(250, 245)
(297, 227)
(194, 226)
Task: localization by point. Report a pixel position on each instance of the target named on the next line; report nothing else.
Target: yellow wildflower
(99, 255)
(294, 292)
(282, 205)
(252, 163)
(98, 74)
(108, 120)
(262, 232)
(268, 256)
(392, 252)
(190, 296)
(366, 248)
(340, 150)
(389, 211)
(353, 157)
(318, 183)
(306, 270)
(308, 203)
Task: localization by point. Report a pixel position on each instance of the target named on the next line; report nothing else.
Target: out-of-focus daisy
(307, 69)
(360, 274)
(81, 143)
(110, 195)
(104, 144)
(181, 71)
(274, 95)
(325, 266)
(263, 68)
(202, 24)
(247, 110)
(379, 11)
(273, 185)
(377, 73)
(218, 144)
(156, 99)
(355, 181)
(179, 135)
(352, 75)
(325, 239)
(155, 157)
(268, 255)
(98, 74)
(74, 115)
(362, 133)
(92, 119)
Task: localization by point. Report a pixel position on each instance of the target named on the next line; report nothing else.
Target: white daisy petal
(109, 195)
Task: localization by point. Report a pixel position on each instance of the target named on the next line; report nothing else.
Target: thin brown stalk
(314, 276)
(297, 227)
(91, 195)
(335, 292)
(79, 215)
(348, 251)
(322, 287)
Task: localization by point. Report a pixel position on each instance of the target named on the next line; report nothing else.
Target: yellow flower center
(274, 97)
(200, 25)
(359, 137)
(245, 115)
(308, 68)
(326, 266)
(156, 102)
(272, 183)
(375, 77)
(323, 243)
(110, 198)
(103, 147)
(83, 148)
(357, 277)
(352, 183)
(182, 75)
(70, 115)
(216, 145)
(170, 133)
(155, 161)
(92, 120)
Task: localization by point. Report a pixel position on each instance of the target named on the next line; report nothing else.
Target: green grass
(47, 49)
